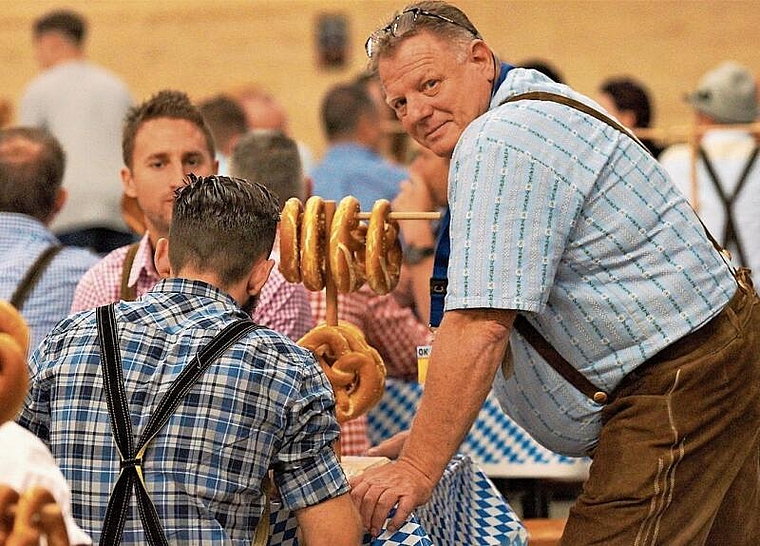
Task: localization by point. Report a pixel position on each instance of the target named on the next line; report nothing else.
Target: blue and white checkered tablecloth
(495, 442)
(464, 510)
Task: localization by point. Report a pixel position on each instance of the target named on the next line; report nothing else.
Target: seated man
(263, 403)
(166, 138)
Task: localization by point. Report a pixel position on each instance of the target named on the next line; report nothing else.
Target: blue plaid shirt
(22, 240)
(264, 404)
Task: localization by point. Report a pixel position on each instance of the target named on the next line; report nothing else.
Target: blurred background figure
(728, 172)
(227, 121)
(264, 111)
(83, 105)
(628, 100)
(545, 67)
(6, 112)
(37, 275)
(353, 164)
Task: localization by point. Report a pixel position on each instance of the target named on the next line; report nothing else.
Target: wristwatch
(415, 254)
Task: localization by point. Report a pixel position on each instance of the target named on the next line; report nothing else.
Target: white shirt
(728, 151)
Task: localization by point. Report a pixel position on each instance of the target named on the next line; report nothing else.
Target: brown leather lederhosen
(33, 275)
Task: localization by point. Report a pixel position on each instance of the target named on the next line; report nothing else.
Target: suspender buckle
(438, 286)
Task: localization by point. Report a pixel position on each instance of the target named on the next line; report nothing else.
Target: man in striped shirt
(164, 139)
(564, 227)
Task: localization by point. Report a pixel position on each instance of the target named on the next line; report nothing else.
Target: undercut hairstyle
(32, 163)
(459, 34)
(225, 119)
(67, 22)
(223, 225)
(270, 158)
(628, 94)
(164, 104)
(342, 107)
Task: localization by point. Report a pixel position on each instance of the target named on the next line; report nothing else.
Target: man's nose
(417, 109)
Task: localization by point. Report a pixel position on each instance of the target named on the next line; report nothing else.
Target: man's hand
(377, 490)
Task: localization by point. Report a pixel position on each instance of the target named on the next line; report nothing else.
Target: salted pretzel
(346, 248)
(38, 515)
(14, 375)
(383, 249)
(290, 239)
(355, 369)
(313, 244)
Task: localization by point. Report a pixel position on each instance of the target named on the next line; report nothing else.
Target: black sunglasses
(403, 23)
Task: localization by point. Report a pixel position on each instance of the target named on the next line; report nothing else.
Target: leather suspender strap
(558, 362)
(121, 425)
(33, 275)
(129, 293)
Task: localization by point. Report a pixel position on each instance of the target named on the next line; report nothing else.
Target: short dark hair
(547, 69)
(30, 179)
(164, 104)
(461, 32)
(222, 224)
(628, 94)
(68, 22)
(271, 158)
(224, 117)
(342, 107)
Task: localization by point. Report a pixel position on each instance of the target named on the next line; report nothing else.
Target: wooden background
(208, 46)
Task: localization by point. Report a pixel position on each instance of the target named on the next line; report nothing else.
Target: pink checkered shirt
(282, 306)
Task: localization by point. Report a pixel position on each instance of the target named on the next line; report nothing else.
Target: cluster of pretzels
(355, 251)
(26, 519)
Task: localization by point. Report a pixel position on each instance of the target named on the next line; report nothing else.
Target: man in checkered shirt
(263, 404)
(164, 139)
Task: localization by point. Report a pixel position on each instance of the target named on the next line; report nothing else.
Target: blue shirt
(351, 169)
(264, 404)
(556, 214)
(22, 240)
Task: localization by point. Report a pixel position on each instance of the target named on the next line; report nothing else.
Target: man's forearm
(468, 349)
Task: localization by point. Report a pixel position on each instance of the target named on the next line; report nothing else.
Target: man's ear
(128, 182)
(60, 200)
(259, 275)
(481, 55)
(161, 258)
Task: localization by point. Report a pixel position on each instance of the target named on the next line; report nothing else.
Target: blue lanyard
(439, 282)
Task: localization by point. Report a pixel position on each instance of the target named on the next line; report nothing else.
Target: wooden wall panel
(207, 46)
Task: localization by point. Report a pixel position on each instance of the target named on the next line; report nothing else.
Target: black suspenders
(121, 425)
(33, 275)
(730, 235)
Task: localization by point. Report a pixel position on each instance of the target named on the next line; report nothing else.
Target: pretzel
(290, 239)
(313, 244)
(346, 248)
(11, 322)
(8, 502)
(354, 369)
(38, 515)
(383, 249)
(14, 374)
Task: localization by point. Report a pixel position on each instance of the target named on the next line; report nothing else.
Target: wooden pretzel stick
(405, 215)
(331, 291)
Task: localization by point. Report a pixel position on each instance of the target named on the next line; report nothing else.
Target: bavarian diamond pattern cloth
(493, 439)
(465, 509)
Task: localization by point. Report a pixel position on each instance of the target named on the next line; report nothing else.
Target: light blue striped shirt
(22, 240)
(559, 215)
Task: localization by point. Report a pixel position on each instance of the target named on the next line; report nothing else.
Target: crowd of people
(577, 271)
